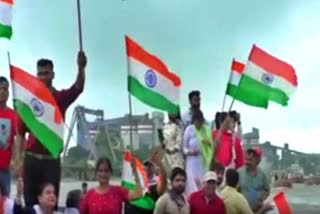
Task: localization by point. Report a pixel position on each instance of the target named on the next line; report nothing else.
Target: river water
(303, 199)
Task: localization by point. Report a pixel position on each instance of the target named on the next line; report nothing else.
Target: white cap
(209, 176)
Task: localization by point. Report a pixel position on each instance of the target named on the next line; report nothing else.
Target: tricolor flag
(37, 108)
(281, 204)
(267, 78)
(128, 181)
(246, 95)
(150, 80)
(6, 18)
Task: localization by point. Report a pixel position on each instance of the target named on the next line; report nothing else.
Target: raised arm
(137, 192)
(82, 62)
(223, 127)
(162, 185)
(71, 94)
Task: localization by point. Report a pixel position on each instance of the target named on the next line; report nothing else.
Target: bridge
(281, 158)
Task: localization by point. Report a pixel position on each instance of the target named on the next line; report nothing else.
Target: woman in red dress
(107, 198)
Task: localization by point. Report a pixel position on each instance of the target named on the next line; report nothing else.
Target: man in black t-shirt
(156, 187)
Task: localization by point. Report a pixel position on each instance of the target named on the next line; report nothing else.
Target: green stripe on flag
(247, 96)
(127, 185)
(145, 202)
(5, 31)
(150, 97)
(258, 93)
(47, 137)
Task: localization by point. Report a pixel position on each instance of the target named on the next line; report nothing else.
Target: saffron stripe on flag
(7, 1)
(139, 166)
(32, 84)
(273, 65)
(135, 51)
(237, 66)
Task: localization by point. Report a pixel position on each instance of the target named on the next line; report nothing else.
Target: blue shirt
(253, 186)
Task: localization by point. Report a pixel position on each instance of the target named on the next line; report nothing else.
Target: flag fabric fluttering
(128, 180)
(6, 18)
(267, 78)
(38, 109)
(281, 204)
(245, 95)
(149, 79)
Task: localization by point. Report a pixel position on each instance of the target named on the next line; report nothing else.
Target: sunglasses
(43, 73)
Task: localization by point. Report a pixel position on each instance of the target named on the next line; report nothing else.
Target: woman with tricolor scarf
(198, 149)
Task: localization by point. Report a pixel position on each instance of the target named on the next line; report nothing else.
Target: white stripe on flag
(163, 86)
(5, 14)
(235, 78)
(254, 71)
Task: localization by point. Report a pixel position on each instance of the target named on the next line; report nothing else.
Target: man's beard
(179, 189)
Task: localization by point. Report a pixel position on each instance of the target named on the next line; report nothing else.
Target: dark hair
(84, 184)
(177, 115)
(73, 199)
(4, 80)
(219, 118)
(45, 62)
(43, 186)
(234, 115)
(193, 94)
(197, 116)
(232, 177)
(102, 161)
(177, 171)
(217, 166)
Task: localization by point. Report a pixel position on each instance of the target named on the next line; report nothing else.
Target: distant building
(252, 137)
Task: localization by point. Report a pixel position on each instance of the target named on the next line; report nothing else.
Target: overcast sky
(196, 38)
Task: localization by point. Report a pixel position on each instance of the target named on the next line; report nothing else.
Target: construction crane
(87, 132)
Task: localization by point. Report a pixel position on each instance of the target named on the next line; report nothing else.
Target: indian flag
(128, 181)
(150, 80)
(281, 204)
(246, 95)
(267, 78)
(6, 18)
(38, 109)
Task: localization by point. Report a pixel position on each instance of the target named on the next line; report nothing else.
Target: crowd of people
(203, 170)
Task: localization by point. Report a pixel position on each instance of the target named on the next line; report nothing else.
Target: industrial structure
(283, 158)
(116, 131)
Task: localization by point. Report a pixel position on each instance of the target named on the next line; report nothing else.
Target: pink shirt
(102, 203)
(224, 153)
